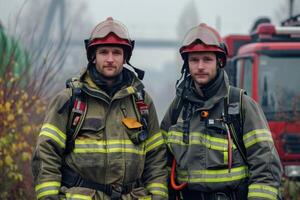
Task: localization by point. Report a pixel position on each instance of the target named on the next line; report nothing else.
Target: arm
(169, 120)
(48, 154)
(155, 172)
(264, 163)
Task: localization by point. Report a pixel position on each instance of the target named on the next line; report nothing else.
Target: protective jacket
(202, 162)
(103, 151)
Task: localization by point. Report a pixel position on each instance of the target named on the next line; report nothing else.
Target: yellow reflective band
(263, 195)
(256, 140)
(214, 180)
(265, 191)
(78, 197)
(112, 150)
(214, 175)
(47, 193)
(255, 136)
(130, 90)
(159, 185)
(154, 137)
(148, 142)
(54, 128)
(225, 154)
(103, 142)
(160, 193)
(216, 171)
(214, 143)
(256, 132)
(263, 187)
(55, 138)
(47, 184)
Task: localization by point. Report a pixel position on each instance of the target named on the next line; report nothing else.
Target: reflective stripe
(255, 136)
(158, 189)
(47, 189)
(78, 197)
(130, 90)
(262, 191)
(109, 146)
(54, 133)
(197, 138)
(154, 142)
(213, 176)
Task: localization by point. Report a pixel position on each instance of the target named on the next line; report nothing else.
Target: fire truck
(266, 63)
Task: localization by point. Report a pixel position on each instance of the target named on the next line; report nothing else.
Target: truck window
(279, 91)
(244, 74)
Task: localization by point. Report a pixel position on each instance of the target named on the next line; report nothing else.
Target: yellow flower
(25, 156)
(10, 117)
(7, 105)
(27, 129)
(8, 160)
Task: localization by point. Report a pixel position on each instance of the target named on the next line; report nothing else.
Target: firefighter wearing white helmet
(220, 146)
(101, 139)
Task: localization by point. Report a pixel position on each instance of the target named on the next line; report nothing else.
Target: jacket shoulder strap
(235, 116)
(77, 112)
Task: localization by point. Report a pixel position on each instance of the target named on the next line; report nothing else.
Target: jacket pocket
(140, 194)
(92, 127)
(135, 130)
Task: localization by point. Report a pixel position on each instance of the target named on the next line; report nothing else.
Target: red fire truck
(266, 64)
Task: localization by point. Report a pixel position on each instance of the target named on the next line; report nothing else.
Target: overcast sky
(159, 18)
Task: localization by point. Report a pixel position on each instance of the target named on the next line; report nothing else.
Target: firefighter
(219, 143)
(101, 138)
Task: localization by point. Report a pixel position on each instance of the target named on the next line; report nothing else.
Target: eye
(117, 52)
(102, 51)
(193, 59)
(207, 59)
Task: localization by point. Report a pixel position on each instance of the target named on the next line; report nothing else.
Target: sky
(159, 18)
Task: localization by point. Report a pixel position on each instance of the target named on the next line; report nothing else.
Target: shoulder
(60, 99)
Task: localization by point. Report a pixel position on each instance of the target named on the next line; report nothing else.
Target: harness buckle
(116, 192)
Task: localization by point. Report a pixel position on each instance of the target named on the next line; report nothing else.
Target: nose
(200, 64)
(110, 58)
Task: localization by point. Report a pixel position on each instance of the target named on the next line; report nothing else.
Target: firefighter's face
(202, 66)
(109, 61)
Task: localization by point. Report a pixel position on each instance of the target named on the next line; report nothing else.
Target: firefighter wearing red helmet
(101, 139)
(220, 146)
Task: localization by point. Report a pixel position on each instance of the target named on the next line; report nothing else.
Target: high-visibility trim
(109, 146)
(54, 133)
(154, 142)
(255, 136)
(77, 197)
(262, 191)
(197, 138)
(158, 189)
(47, 189)
(130, 90)
(225, 154)
(157, 185)
(213, 176)
(54, 128)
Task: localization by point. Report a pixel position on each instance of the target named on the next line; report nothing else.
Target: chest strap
(72, 179)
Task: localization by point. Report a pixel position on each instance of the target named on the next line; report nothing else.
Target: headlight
(292, 171)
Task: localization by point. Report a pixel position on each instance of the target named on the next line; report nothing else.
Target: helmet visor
(108, 26)
(203, 33)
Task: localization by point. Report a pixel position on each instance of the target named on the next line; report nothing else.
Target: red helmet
(204, 38)
(111, 32)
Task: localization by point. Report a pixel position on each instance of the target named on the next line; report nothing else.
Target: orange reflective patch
(131, 123)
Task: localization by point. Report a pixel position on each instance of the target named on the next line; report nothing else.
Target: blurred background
(157, 27)
(42, 46)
